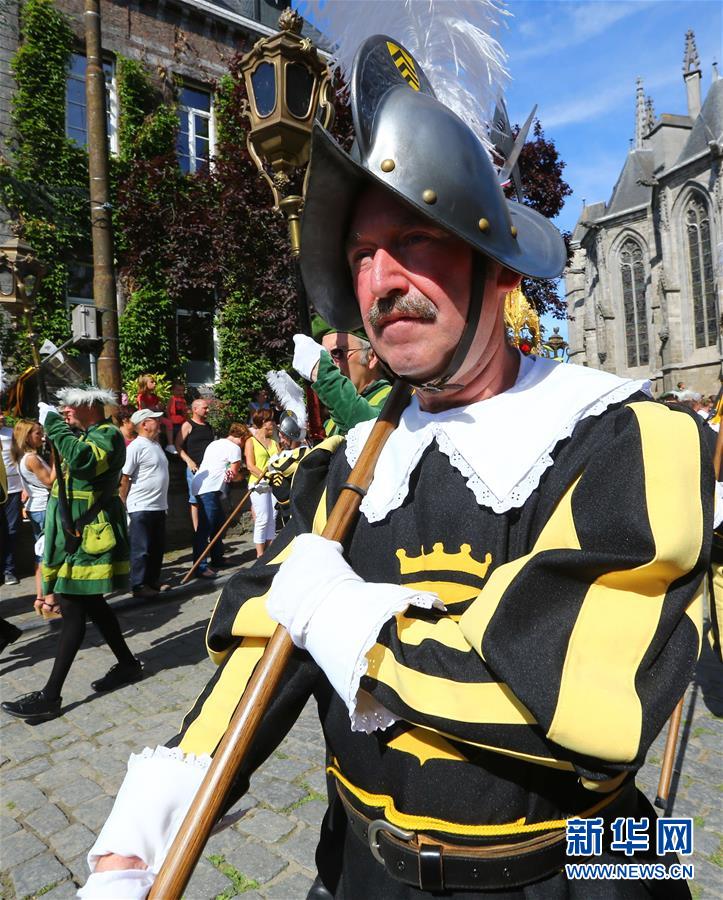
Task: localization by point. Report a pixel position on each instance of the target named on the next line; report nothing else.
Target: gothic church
(643, 288)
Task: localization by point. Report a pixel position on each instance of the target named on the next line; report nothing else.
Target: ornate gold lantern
(288, 86)
(20, 276)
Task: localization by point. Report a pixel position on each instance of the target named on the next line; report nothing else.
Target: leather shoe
(118, 675)
(33, 707)
(146, 592)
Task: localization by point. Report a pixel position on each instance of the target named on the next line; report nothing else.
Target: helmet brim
(335, 182)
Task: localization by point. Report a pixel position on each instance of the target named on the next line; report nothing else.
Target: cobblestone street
(58, 778)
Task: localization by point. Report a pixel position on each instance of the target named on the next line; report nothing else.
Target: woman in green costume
(80, 570)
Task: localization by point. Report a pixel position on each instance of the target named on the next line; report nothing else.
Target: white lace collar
(501, 445)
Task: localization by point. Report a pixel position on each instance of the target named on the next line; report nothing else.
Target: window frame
(186, 312)
(638, 305)
(708, 295)
(191, 112)
(111, 96)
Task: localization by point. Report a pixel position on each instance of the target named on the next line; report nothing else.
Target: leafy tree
(544, 189)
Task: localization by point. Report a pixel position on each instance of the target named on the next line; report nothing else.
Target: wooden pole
(189, 575)
(104, 293)
(235, 744)
(671, 742)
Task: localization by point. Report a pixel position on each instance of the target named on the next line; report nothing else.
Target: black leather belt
(433, 865)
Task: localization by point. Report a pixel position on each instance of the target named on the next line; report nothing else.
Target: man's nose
(388, 276)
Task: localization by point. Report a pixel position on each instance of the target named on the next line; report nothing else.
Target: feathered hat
(85, 396)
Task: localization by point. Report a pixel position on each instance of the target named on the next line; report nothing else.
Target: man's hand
(43, 410)
(306, 356)
(112, 862)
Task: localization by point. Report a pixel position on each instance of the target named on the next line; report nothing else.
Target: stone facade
(643, 287)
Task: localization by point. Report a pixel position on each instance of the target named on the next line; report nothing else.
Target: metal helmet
(289, 427)
(418, 149)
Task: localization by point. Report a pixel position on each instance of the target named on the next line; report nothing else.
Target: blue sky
(579, 60)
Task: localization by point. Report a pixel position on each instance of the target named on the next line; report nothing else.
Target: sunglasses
(339, 353)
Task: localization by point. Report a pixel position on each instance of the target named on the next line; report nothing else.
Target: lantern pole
(288, 88)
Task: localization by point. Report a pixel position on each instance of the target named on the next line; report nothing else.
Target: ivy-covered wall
(207, 241)
(45, 188)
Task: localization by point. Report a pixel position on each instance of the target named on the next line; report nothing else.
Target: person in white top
(37, 478)
(10, 511)
(144, 490)
(221, 464)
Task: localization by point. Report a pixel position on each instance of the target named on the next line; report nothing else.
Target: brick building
(187, 45)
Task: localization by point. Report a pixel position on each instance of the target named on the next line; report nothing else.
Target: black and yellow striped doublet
(572, 626)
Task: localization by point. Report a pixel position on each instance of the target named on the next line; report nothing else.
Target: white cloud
(594, 103)
(570, 24)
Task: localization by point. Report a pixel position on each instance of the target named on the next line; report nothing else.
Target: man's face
(200, 409)
(347, 353)
(73, 416)
(412, 281)
(150, 428)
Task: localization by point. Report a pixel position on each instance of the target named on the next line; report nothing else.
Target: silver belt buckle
(382, 825)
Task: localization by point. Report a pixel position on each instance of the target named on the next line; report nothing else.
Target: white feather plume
(85, 396)
(289, 394)
(450, 39)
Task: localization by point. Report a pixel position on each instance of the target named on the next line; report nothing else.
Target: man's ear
(507, 279)
(373, 362)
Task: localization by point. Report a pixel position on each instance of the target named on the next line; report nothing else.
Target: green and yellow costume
(92, 464)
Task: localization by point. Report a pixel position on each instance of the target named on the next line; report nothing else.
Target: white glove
(306, 355)
(156, 793)
(43, 410)
(333, 613)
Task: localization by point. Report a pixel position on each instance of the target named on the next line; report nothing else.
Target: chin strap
(476, 298)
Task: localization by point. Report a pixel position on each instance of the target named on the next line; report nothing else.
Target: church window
(632, 271)
(700, 259)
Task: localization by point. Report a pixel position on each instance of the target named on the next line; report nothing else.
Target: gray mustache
(414, 304)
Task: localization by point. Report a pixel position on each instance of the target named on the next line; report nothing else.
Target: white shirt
(147, 467)
(15, 485)
(211, 473)
(37, 492)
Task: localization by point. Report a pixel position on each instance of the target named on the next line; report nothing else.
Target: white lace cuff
(341, 632)
(122, 884)
(149, 809)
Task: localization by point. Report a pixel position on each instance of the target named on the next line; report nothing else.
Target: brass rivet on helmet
(513, 231)
(483, 225)
(429, 196)
(387, 165)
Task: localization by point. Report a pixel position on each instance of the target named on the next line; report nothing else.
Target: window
(700, 264)
(76, 120)
(632, 272)
(194, 144)
(79, 286)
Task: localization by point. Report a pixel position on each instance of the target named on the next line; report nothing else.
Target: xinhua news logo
(628, 835)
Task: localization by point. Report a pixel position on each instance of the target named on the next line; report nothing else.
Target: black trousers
(148, 544)
(10, 518)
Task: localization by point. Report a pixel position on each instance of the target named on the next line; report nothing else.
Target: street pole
(104, 291)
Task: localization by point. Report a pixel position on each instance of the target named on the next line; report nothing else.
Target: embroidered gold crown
(438, 560)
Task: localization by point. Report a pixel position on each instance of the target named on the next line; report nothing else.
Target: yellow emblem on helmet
(404, 62)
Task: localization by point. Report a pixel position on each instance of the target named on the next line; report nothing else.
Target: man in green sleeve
(80, 568)
(344, 372)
